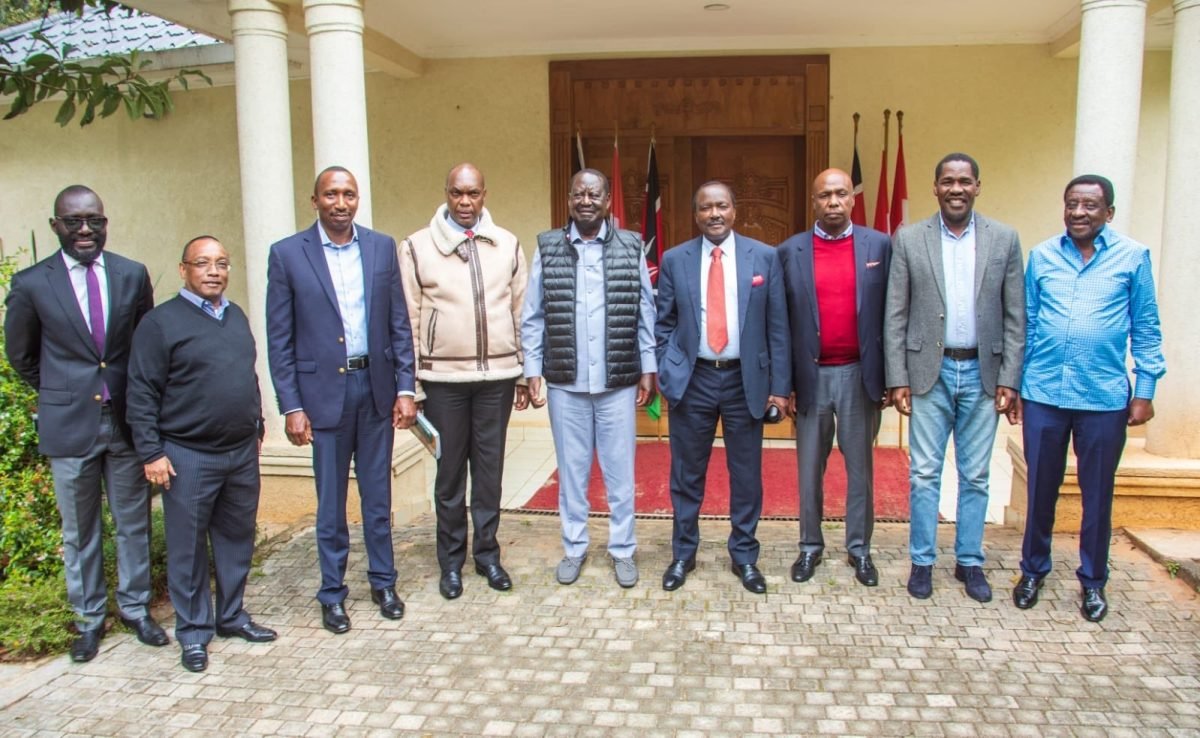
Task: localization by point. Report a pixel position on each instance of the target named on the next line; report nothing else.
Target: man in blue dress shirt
(1089, 294)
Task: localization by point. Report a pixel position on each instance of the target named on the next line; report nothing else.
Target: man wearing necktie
(68, 328)
(723, 354)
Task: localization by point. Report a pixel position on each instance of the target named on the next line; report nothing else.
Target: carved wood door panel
(766, 175)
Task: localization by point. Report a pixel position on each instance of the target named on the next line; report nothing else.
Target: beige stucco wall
(1010, 106)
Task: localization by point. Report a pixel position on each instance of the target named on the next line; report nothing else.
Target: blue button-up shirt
(958, 272)
(1082, 317)
(591, 307)
(346, 270)
(217, 313)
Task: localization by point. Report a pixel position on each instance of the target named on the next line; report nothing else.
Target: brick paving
(827, 657)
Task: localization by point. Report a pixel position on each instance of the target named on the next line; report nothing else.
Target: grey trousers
(844, 405)
(110, 466)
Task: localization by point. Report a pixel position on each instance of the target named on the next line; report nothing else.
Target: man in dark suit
(205, 441)
(954, 340)
(835, 277)
(68, 327)
(723, 354)
(341, 356)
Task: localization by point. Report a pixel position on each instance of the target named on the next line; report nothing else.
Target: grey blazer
(915, 317)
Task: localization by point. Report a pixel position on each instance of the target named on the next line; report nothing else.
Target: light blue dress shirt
(733, 349)
(958, 270)
(819, 232)
(590, 314)
(217, 313)
(346, 270)
(1081, 319)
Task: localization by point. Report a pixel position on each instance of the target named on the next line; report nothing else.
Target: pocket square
(756, 280)
(871, 264)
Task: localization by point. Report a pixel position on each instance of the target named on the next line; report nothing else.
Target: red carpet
(781, 497)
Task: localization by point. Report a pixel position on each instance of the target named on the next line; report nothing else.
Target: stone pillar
(339, 97)
(265, 156)
(1174, 432)
(1109, 98)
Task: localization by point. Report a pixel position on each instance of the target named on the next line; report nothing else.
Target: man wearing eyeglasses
(340, 350)
(196, 416)
(68, 326)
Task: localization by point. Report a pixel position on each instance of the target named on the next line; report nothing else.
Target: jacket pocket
(306, 367)
(914, 343)
(54, 396)
(431, 331)
(997, 347)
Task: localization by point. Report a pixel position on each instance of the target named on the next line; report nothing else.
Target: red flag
(900, 188)
(652, 218)
(618, 196)
(577, 161)
(881, 201)
(858, 216)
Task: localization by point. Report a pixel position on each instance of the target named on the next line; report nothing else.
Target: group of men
(829, 328)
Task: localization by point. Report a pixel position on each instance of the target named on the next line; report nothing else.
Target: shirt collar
(327, 242)
(454, 224)
(1106, 237)
(72, 262)
(727, 246)
(968, 231)
(573, 234)
(201, 303)
(820, 232)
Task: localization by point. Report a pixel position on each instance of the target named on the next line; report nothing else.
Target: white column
(339, 96)
(1174, 431)
(265, 156)
(1109, 99)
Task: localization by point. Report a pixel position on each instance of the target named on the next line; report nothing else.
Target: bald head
(465, 193)
(833, 201)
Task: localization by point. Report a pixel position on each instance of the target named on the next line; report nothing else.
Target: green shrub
(34, 616)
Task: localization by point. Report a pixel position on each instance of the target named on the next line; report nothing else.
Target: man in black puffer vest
(588, 328)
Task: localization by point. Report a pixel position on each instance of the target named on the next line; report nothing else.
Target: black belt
(354, 363)
(720, 363)
(961, 354)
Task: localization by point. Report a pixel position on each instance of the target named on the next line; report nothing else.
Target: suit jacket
(915, 319)
(762, 318)
(872, 256)
(305, 341)
(48, 342)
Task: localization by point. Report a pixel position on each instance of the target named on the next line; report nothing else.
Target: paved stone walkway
(827, 657)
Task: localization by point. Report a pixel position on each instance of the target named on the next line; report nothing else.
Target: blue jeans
(956, 403)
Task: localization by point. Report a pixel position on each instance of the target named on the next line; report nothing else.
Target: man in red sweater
(835, 277)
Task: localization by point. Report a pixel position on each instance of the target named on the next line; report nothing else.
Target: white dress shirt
(729, 267)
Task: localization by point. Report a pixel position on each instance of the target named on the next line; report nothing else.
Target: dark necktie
(718, 332)
(96, 313)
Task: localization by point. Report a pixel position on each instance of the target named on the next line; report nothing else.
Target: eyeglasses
(204, 264)
(94, 222)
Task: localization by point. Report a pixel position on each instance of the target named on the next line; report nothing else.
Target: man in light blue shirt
(1089, 297)
(588, 329)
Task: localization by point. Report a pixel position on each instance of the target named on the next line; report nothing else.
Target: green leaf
(112, 100)
(65, 112)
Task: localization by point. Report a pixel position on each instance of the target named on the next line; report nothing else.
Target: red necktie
(718, 332)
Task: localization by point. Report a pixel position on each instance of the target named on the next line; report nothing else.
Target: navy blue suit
(350, 410)
(699, 395)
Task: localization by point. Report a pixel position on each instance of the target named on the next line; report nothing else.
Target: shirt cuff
(293, 410)
(406, 393)
(1144, 387)
(533, 368)
(649, 362)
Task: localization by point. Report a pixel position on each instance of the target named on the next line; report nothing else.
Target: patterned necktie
(718, 332)
(96, 313)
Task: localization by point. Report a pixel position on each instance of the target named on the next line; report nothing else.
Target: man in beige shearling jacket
(464, 278)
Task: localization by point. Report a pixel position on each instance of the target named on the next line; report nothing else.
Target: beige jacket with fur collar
(464, 300)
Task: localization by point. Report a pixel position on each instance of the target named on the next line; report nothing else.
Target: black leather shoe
(1094, 606)
(194, 657)
(752, 578)
(498, 579)
(251, 631)
(87, 645)
(976, 583)
(450, 585)
(148, 631)
(1025, 594)
(864, 570)
(390, 605)
(676, 573)
(334, 618)
(804, 567)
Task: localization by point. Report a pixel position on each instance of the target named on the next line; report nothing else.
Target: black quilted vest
(622, 281)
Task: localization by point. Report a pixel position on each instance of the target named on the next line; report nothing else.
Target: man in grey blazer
(954, 337)
(835, 277)
(68, 327)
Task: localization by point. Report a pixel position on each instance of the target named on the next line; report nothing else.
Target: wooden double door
(759, 124)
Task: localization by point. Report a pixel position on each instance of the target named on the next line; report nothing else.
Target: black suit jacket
(872, 256)
(47, 341)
